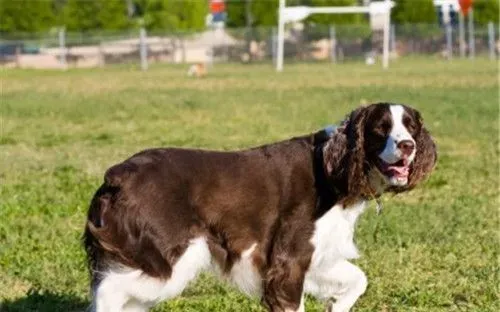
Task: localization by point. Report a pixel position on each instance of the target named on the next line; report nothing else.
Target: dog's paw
(332, 307)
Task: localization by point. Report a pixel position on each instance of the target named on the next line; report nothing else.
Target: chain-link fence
(331, 43)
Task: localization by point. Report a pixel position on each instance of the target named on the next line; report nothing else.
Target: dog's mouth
(397, 173)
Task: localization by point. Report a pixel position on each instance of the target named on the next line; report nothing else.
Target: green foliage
(262, 13)
(81, 15)
(157, 16)
(486, 11)
(84, 15)
(173, 14)
(26, 16)
(235, 14)
(335, 18)
(265, 13)
(113, 15)
(87, 15)
(413, 12)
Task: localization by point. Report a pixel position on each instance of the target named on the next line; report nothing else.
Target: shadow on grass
(45, 302)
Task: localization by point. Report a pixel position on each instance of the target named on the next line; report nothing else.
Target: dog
(197, 70)
(277, 221)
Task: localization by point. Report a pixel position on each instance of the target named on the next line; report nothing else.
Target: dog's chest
(333, 236)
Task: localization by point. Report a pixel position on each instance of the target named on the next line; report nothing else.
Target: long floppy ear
(357, 181)
(334, 153)
(425, 159)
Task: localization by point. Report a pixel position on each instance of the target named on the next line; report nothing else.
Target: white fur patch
(330, 275)
(126, 289)
(391, 152)
(334, 233)
(245, 275)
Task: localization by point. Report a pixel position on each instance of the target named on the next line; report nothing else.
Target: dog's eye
(411, 127)
(383, 127)
(409, 124)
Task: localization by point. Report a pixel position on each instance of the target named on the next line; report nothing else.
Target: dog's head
(381, 147)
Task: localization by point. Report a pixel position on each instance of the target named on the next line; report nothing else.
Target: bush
(335, 18)
(485, 11)
(414, 12)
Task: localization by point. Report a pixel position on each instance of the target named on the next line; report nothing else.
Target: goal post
(298, 13)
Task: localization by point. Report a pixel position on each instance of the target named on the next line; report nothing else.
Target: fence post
(386, 38)
(184, 51)
(62, 47)
(333, 47)
(449, 42)
(211, 50)
(491, 40)
(274, 45)
(18, 55)
(472, 43)
(393, 38)
(281, 37)
(461, 34)
(226, 46)
(143, 49)
(102, 59)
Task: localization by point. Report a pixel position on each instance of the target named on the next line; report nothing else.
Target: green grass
(436, 248)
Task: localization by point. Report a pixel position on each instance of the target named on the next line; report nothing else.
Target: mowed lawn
(433, 249)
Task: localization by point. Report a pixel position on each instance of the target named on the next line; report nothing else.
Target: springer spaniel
(277, 220)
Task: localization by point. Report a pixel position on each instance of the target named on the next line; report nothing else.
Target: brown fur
(153, 203)
(198, 70)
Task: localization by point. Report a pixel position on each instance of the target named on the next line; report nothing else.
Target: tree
(191, 14)
(486, 11)
(236, 13)
(81, 15)
(173, 14)
(335, 18)
(413, 12)
(85, 15)
(113, 15)
(26, 16)
(265, 13)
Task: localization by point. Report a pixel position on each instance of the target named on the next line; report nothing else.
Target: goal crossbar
(297, 13)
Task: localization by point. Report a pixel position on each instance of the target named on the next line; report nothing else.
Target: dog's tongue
(399, 171)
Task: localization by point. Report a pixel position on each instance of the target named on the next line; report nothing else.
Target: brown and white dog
(198, 70)
(277, 220)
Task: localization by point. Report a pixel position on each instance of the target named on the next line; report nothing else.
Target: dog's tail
(101, 238)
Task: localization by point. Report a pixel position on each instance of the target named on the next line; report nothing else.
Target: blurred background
(92, 33)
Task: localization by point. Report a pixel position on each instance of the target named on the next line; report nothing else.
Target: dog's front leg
(283, 290)
(344, 282)
(284, 280)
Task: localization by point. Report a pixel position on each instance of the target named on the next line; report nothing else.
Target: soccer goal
(298, 13)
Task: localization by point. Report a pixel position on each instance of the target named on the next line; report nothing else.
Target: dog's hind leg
(131, 290)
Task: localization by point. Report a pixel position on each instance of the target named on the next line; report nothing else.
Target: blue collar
(330, 130)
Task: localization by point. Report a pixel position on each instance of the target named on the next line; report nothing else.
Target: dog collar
(330, 130)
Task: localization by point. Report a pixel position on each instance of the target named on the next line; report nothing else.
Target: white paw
(332, 307)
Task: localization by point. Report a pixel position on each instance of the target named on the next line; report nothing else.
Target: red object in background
(465, 5)
(217, 6)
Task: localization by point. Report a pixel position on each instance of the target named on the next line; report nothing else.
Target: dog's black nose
(407, 147)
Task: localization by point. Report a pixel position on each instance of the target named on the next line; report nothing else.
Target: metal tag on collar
(379, 206)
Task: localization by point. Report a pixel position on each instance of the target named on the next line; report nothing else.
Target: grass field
(436, 248)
